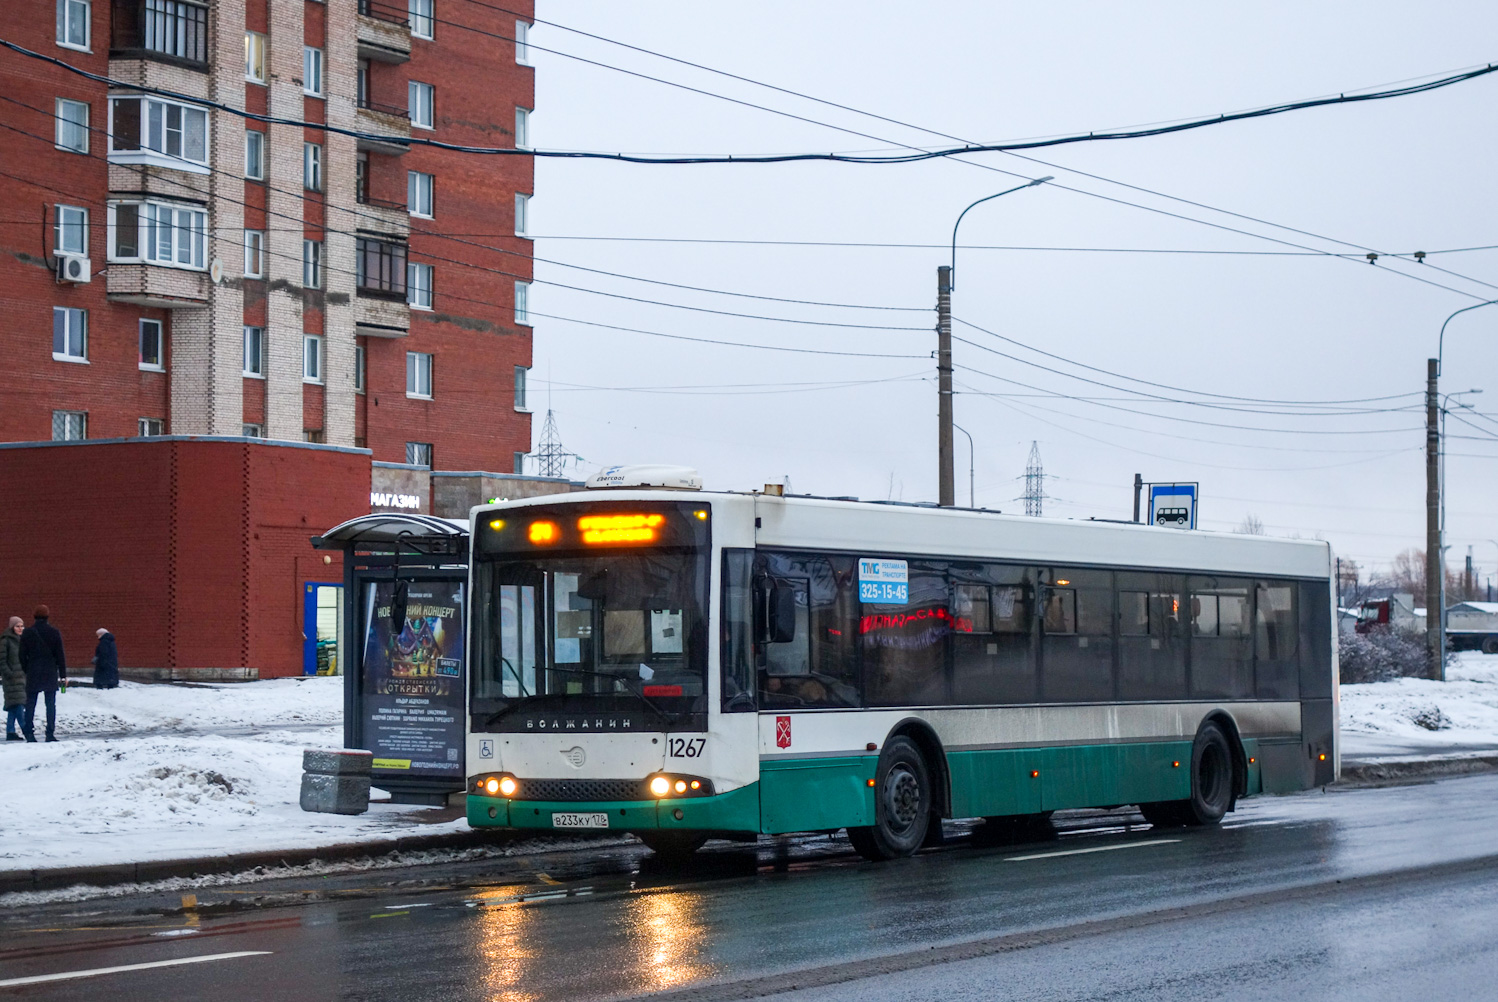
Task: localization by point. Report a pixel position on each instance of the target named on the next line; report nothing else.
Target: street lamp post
(971, 462)
(1441, 563)
(946, 489)
(1435, 558)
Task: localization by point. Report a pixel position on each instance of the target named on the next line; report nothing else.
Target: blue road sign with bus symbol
(884, 582)
(1173, 505)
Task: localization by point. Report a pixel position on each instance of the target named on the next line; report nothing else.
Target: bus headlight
(660, 786)
(666, 784)
(508, 786)
(495, 784)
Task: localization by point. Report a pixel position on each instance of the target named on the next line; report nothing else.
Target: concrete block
(335, 794)
(340, 762)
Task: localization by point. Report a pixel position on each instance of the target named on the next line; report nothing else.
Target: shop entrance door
(322, 629)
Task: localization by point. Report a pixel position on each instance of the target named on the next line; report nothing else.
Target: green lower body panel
(735, 811)
(1004, 781)
(813, 794)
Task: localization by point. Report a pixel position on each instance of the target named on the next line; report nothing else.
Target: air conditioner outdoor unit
(74, 268)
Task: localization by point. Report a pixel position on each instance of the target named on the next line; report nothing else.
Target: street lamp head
(1041, 180)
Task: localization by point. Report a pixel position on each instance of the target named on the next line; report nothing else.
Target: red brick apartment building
(171, 268)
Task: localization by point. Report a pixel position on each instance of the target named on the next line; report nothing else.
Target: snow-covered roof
(1487, 608)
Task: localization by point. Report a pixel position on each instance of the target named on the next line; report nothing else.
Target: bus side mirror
(782, 609)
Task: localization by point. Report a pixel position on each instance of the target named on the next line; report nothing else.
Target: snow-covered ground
(148, 772)
(1385, 720)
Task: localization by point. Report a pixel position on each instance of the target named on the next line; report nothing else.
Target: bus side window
(818, 666)
(997, 664)
(905, 644)
(1221, 642)
(1276, 668)
(1076, 663)
(1151, 651)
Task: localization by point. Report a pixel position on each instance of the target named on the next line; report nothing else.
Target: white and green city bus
(682, 665)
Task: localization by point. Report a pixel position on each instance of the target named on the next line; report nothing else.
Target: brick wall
(194, 552)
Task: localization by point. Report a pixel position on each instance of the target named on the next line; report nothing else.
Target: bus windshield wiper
(655, 708)
(497, 714)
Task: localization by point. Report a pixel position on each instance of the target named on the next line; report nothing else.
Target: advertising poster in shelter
(413, 680)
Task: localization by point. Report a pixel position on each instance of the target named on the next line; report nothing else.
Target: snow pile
(133, 707)
(1417, 716)
(147, 772)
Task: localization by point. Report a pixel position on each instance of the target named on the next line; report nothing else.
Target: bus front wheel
(1211, 784)
(902, 804)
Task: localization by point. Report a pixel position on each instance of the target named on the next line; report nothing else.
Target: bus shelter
(404, 664)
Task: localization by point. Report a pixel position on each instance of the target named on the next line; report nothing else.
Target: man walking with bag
(41, 656)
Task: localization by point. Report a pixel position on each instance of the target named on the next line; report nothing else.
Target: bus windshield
(622, 633)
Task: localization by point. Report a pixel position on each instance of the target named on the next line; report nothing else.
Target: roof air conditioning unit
(74, 268)
(677, 478)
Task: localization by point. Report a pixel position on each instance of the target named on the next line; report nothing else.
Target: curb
(51, 878)
(1418, 768)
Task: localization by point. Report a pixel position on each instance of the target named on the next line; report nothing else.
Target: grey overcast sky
(1402, 175)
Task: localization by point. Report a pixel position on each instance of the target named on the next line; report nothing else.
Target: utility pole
(1138, 487)
(946, 489)
(1435, 634)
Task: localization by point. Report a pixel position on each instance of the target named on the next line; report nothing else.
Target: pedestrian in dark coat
(106, 661)
(13, 679)
(46, 668)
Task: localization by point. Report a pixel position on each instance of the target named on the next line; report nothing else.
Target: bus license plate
(559, 820)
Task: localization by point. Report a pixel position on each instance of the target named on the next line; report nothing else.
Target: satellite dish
(216, 271)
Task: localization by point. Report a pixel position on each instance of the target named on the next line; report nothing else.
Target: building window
(73, 24)
(522, 43)
(147, 130)
(381, 267)
(419, 192)
(422, 21)
(69, 334)
(313, 435)
(311, 358)
(254, 155)
(361, 178)
(150, 345)
(149, 427)
(522, 303)
(312, 264)
(254, 57)
(419, 375)
(522, 129)
(522, 213)
(312, 166)
(72, 125)
(358, 368)
(69, 426)
(521, 374)
(421, 102)
(70, 231)
(171, 235)
(252, 430)
(311, 71)
(520, 463)
(419, 286)
(254, 253)
(254, 351)
(419, 453)
(172, 28)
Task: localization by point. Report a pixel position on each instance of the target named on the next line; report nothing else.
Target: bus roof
(896, 529)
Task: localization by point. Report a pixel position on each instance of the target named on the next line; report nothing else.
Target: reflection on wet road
(611, 922)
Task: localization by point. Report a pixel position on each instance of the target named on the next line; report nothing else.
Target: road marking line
(1100, 848)
(37, 979)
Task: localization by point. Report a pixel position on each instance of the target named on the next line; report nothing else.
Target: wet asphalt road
(1366, 894)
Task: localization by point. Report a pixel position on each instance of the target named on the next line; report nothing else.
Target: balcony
(168, 31)
(391, 124)
(384, 32)
(160, 288)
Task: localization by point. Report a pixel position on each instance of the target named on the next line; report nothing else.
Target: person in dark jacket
(13, 679)
(46, 668)
(106, 661)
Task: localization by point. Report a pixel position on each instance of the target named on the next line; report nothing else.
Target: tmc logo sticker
(782, 732)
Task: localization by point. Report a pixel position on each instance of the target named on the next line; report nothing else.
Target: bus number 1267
(685, 747)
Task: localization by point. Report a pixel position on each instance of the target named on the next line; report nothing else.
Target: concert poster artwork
(413, 680)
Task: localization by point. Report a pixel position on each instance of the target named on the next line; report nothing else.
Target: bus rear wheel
(1211, 784)
(671, 845)
(1490, 645)
(902, 804)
